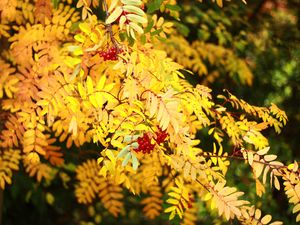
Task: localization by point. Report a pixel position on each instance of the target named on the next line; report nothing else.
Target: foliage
(97, 93)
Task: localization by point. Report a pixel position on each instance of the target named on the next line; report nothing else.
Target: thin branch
(242, 159)
(109, 28)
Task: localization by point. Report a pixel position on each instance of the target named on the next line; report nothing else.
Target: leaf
(136, 18)
(113, 4)
(153, 6)
(126, 159)
(183, 29)
(122, 22)
(296, 208)
(220, 3)
(133, 9)
(258, 169)
(173, 7)
(263, 151)
(131, 2)
(170, 209)
(85, 28)
(114, 15)
(89, 84)
(101, 82)
(276, 183)
(135, 162)
(266, 219)
(269, 158)
(123, 152)
(250, 158)
(136, 27)
(81, 91)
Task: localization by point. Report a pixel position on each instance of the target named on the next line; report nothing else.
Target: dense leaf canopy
(150, 112)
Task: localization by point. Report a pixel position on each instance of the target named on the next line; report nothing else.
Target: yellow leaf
(270, 157)
(122, 22)
(81, 91)
(172, 201)
(89, 84)
(172, 215)
(263, 151)
(276, 183)
(93, 100)
(110, 155)
(85, 28)
(136, 18)
(220, 3)
(79, 38)
(170, 209)
(250, 158)
(136, 27)
(39, 150)
(257, 168)
(131, 2)
(133, 9)
(266, 219)
(50, 198)
(207, 196)
(141, 127)
(114, 15)
(73, 126)
(112, 5)
(101, 82)
(33, 158)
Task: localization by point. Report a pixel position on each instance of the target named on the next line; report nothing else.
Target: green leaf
(135, 162)
(183, 29)
(143, 39)
(70, 167)
(136, 27)
(149, 26)
(131, 2)
(133, 9)
(55, 3)
(173, 7)
(114, 15)
(136, 18)
(153, 6)
(135, 145)
(156, 32)
(127, 157)
(123, 152)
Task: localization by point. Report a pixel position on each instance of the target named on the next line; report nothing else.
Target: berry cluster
(110, 54)
(161, 136)
(145, 145)
(144, 142)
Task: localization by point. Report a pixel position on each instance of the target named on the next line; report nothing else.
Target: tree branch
(109, 28)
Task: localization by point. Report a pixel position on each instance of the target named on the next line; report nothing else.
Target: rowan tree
(107, 83)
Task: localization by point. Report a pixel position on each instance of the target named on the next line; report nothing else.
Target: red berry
(145, 145)
(161, 136)
(110, 54)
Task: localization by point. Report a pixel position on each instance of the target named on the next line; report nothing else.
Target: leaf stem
(109, 28)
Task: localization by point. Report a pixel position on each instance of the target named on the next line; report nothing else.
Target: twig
(243, 159)
(109, 28)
